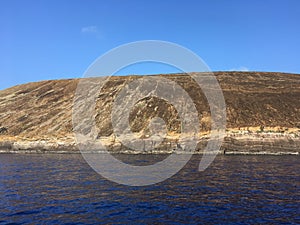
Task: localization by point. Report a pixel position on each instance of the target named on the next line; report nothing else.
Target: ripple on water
(61, 189)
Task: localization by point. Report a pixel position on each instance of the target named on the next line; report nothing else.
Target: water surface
(63, 189)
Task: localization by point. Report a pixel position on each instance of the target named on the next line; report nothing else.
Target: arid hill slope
(253, 99)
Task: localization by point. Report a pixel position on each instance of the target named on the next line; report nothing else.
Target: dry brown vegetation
(253, 99)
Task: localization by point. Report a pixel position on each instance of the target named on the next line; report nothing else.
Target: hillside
(256, 101)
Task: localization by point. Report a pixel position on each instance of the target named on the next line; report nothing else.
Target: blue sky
(59, 39)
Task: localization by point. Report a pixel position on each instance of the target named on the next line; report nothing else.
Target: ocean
(235, 189)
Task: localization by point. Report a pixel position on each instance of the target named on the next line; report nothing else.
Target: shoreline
(234, 143)
(28, 152)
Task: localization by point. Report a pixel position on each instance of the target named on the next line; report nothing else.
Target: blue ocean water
(63, 189)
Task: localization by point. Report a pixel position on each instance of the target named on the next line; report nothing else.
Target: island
(262, 114)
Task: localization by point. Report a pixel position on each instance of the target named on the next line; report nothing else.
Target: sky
(57, 39)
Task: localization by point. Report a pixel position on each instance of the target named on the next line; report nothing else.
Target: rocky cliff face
(255, 101)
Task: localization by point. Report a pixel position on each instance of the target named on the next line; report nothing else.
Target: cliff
(263, 113)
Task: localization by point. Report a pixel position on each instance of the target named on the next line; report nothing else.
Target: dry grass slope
(253, 99)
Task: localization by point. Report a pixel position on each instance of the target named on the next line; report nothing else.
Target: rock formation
(263, 113)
